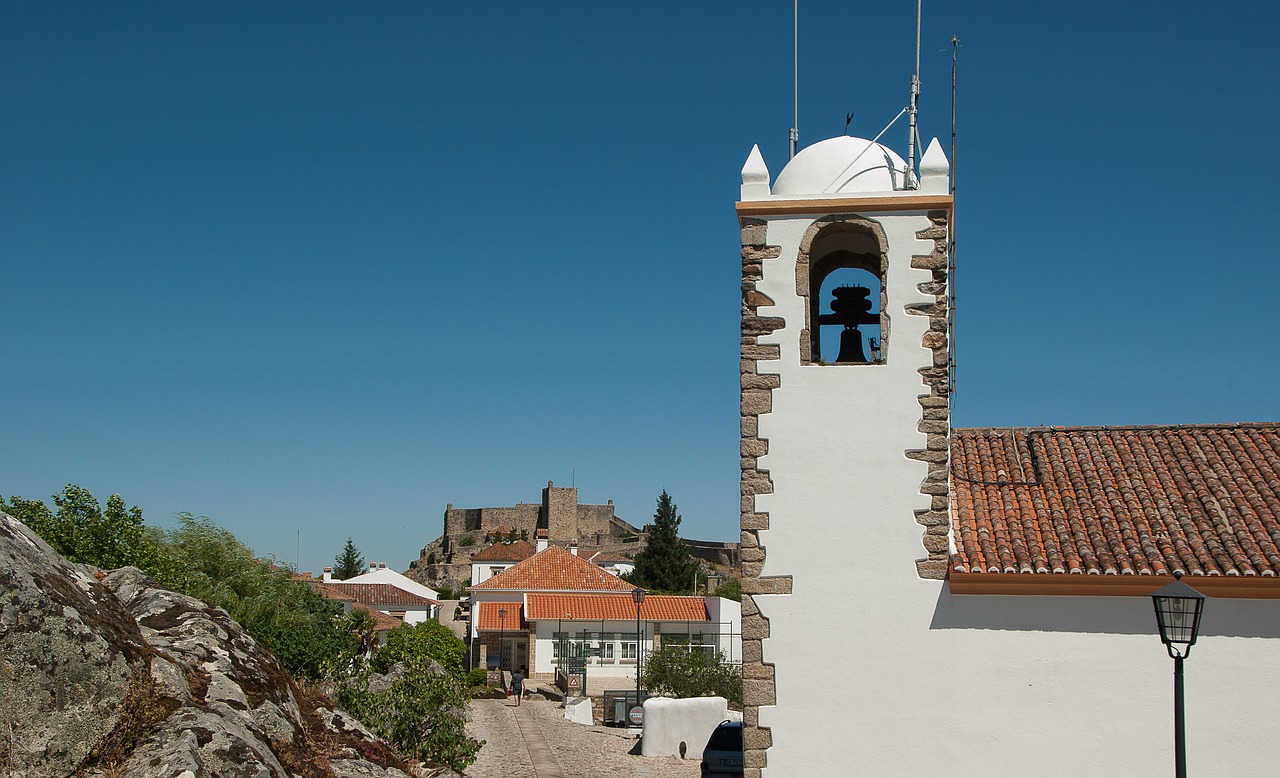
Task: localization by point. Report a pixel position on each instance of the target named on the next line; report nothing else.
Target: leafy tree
(427, 640)
(679, 672)
(349, 563)
(665, 565)
(82, 532)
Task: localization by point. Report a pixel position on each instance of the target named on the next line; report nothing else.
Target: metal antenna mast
(911, 110)
(951, 248)
(794, 135)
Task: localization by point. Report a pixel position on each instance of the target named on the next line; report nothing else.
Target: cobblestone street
(571, 750)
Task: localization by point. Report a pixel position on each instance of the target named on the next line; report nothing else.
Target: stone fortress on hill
(594, 529)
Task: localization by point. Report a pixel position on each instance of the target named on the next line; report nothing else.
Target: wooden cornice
(1067, 584)
(932, 202)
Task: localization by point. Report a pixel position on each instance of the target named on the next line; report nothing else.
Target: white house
(379, 573)
(556, 601)
(496, 558)
(985, 608)
(406, 606)
(613, 563)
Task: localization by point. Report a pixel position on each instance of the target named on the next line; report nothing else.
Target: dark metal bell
(851, 347)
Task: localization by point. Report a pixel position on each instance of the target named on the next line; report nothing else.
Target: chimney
(573, 548)
(373, 566)
(541, 542)
(328, 574)
(382, 565)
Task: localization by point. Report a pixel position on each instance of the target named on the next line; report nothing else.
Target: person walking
(517, 684)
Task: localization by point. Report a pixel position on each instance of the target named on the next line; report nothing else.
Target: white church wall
(880, 672)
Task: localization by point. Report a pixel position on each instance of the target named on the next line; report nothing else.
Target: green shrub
(676, 671)
(420, 713)
(428, 641)
(466, 541)
(730, 590)
(478, 677)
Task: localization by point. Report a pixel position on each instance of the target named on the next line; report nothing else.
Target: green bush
(420, 713)
(428, 641)
(478, 677)
(676, 671)
(730, 590)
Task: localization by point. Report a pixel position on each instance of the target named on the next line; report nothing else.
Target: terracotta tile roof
(615, 607)
(378, 594)
(1117, 501)
(509, 552)
(555, 569)
(333, 593)
(382, 621)
(487, 619)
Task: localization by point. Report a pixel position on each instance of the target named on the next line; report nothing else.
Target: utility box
(618, 705)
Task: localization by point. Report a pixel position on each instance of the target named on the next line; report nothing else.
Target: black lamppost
(502, 618)
(1178, 609)
(637, 595)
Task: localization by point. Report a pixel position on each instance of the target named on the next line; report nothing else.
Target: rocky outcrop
(68, 651)
(114, 675)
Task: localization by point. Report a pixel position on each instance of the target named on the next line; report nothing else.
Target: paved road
(535, 741)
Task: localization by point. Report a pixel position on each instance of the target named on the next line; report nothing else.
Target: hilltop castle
(446, 561)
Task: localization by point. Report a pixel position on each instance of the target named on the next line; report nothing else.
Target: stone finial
(935, 170)
(755, 176)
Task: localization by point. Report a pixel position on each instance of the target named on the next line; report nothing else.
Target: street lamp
(1178, 608)
(637, 595)
(502, 618)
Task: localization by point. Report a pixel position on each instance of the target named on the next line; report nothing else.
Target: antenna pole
(951, 247)
(794, 135)
(910, 179)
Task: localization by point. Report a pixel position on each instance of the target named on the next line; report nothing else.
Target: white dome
(841, 165)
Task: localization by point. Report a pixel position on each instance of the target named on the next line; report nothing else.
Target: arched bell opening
(848, 317)
(841, 273)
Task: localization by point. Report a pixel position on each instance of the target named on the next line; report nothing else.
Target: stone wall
(935, 406)
(756, 398)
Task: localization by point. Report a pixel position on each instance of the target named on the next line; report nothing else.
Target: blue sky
(330, 266)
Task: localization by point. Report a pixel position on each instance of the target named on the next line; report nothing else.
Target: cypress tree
(665, 565)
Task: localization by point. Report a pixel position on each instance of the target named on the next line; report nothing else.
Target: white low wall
(579, 712)
(668, 723)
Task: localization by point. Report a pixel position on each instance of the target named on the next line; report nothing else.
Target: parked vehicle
(722, 758)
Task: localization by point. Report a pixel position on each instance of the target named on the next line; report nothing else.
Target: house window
(628, 650)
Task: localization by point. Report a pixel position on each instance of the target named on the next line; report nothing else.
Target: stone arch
(833, 243)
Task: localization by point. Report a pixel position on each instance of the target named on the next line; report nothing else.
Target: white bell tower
(845, 422)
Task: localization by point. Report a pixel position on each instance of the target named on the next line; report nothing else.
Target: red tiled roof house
(556, 601)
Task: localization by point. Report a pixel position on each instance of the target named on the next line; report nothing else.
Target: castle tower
(845, 420)
(560, 511)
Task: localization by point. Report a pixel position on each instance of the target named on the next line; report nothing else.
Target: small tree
(665, 565)
(426, 640)
(349, 563)
(680, 672)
